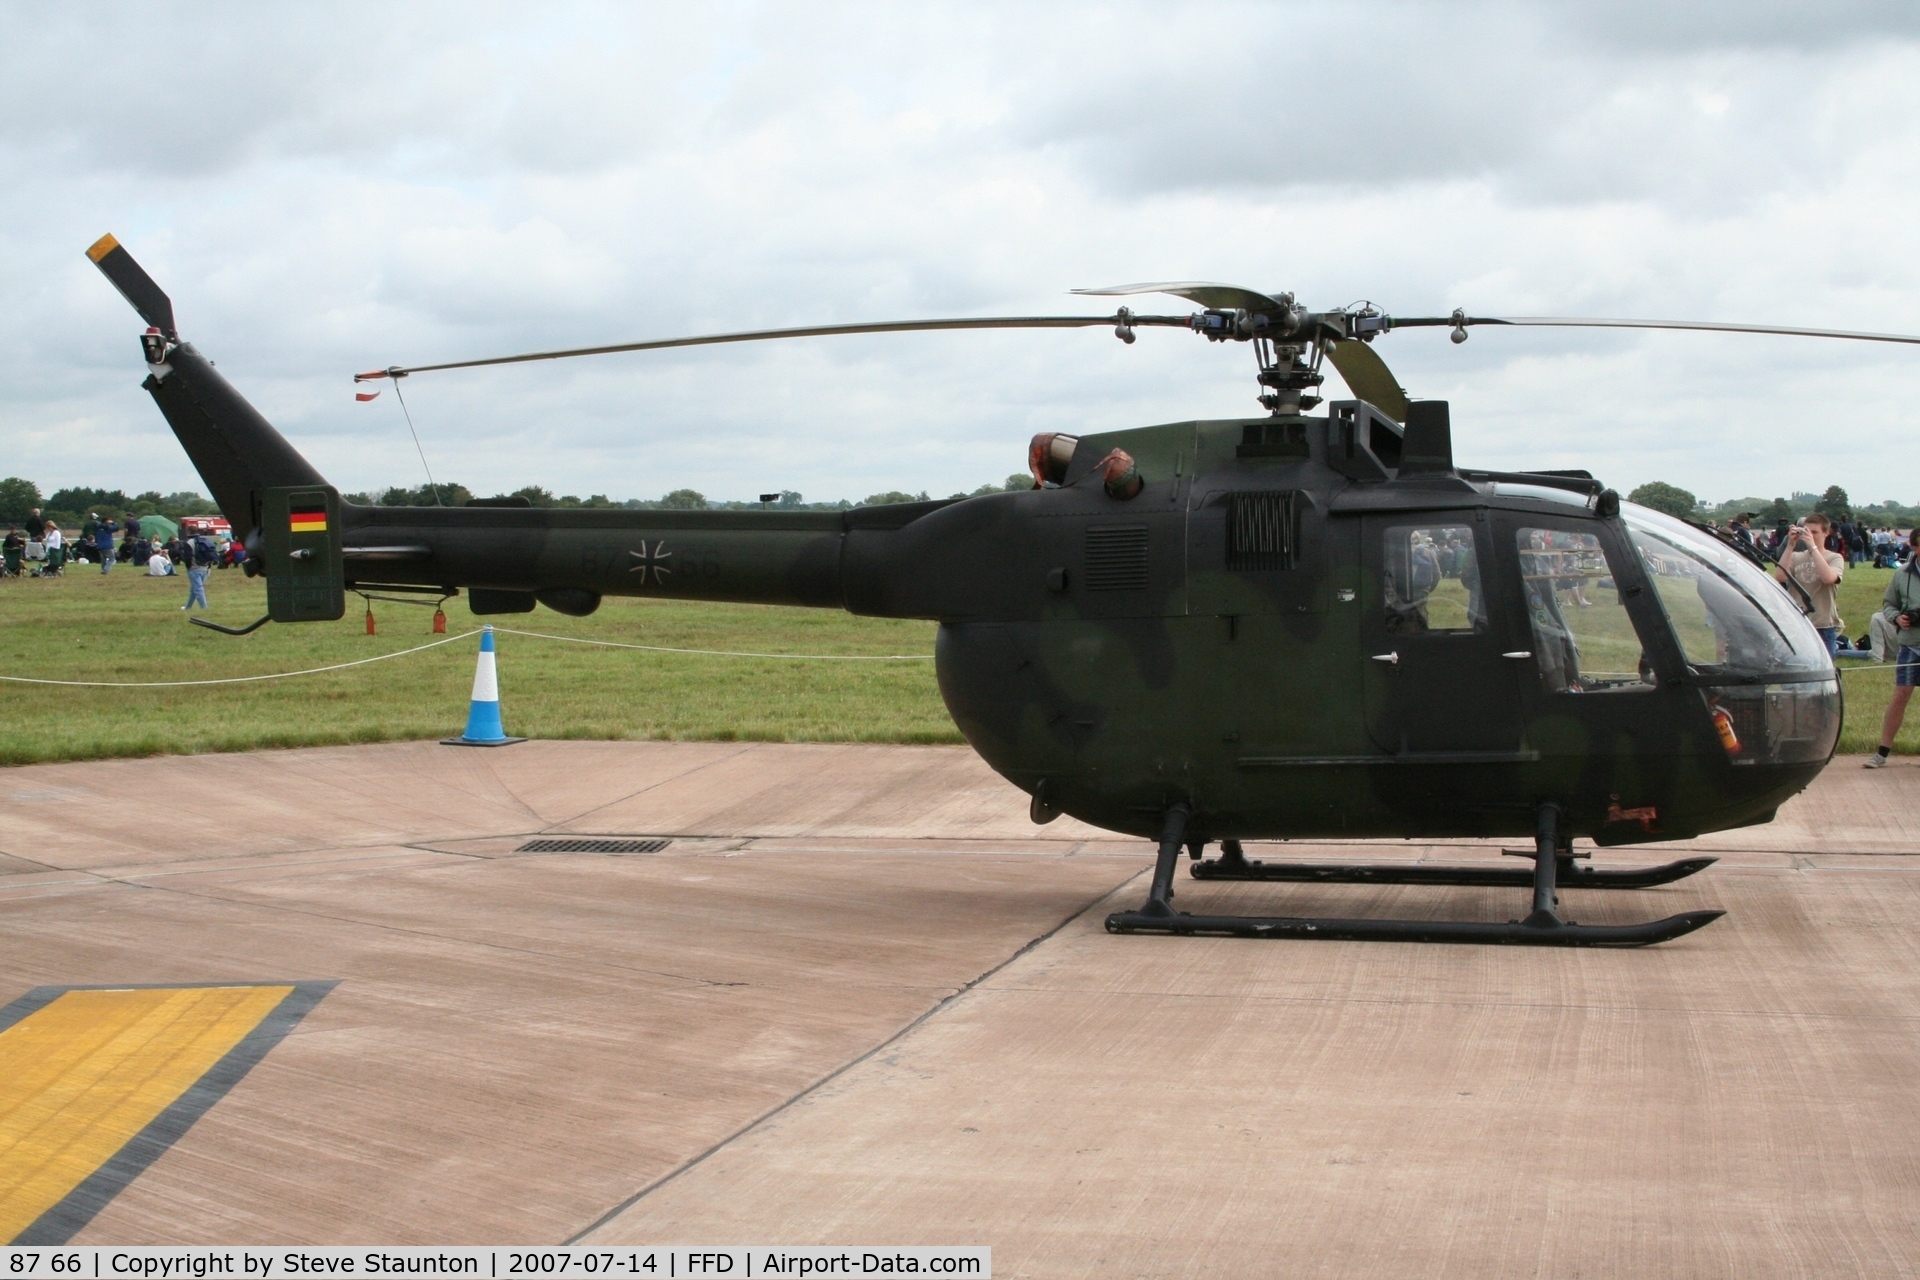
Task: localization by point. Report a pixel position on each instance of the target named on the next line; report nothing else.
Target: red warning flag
(364, 396)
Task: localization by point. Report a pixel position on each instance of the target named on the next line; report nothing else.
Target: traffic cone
(483, 714)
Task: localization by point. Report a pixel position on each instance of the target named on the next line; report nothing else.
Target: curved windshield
(1731, 619)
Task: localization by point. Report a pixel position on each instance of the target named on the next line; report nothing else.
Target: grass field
(126, 626)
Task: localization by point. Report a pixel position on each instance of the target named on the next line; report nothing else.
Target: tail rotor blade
(134, 284)
(1368, 377)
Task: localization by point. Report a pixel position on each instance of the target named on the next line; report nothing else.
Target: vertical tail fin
(236, 450)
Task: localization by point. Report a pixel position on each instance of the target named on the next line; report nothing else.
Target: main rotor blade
(811, 331)
(1368, 377)
(1710, 326)
(134, 284)
(1224, 296)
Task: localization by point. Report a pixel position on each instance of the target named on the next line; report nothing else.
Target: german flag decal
(308, 517)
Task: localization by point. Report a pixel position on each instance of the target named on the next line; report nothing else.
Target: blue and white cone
(483, 713)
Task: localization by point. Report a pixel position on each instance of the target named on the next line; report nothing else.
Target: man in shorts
(1901, 607)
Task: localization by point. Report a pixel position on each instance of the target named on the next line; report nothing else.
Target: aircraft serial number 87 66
(1274, 627)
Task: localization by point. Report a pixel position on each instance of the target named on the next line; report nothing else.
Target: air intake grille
(1117, 558)
(1260, 530)
(593, 846)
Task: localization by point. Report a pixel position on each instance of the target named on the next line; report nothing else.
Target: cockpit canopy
(1733, 622)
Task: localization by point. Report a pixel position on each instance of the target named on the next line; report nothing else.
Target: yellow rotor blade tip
(103, 246)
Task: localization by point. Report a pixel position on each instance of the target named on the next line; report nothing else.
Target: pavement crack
(942, 1004)
(652, 786)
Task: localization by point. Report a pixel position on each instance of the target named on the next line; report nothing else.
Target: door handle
(1518, 653)
(1392, 659)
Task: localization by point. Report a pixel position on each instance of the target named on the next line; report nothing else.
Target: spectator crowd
(1857, 543)
(38, 547)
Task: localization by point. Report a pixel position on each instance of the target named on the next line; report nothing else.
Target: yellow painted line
(82, 1075)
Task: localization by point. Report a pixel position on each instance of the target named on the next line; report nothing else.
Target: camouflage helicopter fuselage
(1226, 637)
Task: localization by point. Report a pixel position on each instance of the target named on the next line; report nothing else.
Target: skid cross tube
(1543, 927)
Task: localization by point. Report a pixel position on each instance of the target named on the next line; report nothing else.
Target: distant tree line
(70, 507)
(1833, 503)
(458, 495)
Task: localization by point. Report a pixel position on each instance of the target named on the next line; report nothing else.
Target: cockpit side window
(1432, 581)
(1583, 639)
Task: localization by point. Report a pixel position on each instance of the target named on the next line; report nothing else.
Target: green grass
(129, 627)
(126, 626)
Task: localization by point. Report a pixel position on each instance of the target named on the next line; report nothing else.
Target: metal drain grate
(593, 846)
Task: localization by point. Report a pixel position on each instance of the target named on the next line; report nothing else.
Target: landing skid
(1514, 933)
(1544, 927)
(1233, 865)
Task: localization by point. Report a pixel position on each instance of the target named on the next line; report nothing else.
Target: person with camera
(103, 542)
(1901, 607)
(1805, 557)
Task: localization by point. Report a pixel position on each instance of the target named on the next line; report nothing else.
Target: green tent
(159, 528)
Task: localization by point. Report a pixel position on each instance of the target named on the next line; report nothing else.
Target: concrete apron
(861, 999)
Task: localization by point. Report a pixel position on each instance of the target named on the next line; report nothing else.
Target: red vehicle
(211, 526)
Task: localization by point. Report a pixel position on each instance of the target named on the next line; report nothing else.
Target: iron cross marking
(652, 560)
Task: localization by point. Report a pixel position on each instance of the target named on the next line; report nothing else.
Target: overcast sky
(324, 189)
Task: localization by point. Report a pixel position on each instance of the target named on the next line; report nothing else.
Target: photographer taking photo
(1805, 556)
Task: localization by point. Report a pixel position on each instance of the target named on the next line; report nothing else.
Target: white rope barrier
(277, 675)
(434, 644)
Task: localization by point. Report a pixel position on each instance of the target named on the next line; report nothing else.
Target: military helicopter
(1276, 627)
